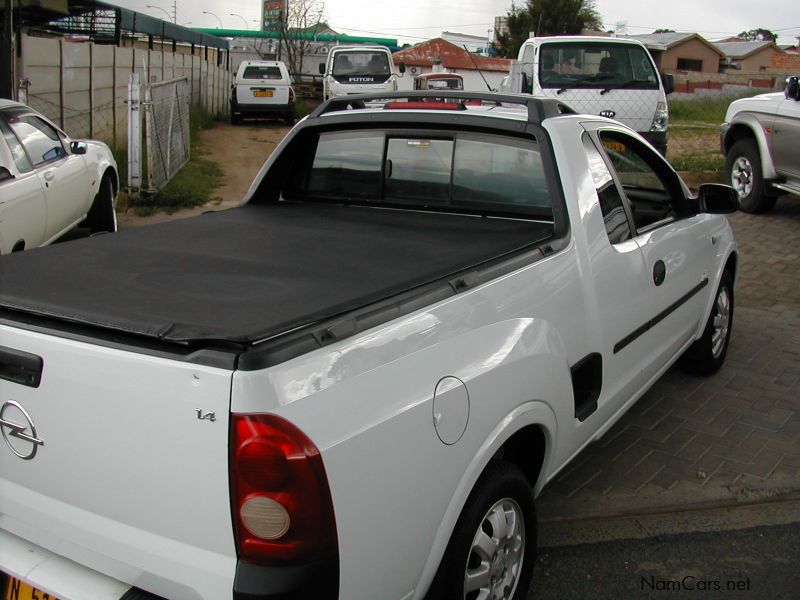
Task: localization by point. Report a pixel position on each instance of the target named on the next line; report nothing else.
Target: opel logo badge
(18, 430)
(608, 114)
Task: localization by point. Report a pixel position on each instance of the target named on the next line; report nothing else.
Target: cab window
(653, 192)
(17, 151)
(614, 217)
(41, 141)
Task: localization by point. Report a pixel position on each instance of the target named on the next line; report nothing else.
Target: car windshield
(596, 65)
(361, 62)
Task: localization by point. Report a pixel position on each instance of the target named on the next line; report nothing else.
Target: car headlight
(660, 118)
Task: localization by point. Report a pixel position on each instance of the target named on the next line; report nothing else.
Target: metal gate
(158, 132)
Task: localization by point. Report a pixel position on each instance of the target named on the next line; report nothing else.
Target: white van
(262, 88)
(358, 70)
(611, 77)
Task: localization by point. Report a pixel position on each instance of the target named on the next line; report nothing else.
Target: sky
(412, 21)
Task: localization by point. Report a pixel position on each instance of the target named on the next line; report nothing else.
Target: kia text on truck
(358, 70)
(611, 77)
(355, 384)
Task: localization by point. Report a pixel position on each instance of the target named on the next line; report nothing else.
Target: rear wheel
(743, 166)
(493, 547)
(707, 354)
(101, 217)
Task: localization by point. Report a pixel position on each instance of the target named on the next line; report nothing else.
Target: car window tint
(40, 140)
(614, 217)
(17, 151)
(262, 73)
(418, 169)
(649, 196)
(347, 165)
(499, 172)
(480, 173)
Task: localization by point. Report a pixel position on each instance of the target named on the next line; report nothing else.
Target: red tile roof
(452, 57)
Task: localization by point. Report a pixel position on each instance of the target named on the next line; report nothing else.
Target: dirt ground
(240, 150)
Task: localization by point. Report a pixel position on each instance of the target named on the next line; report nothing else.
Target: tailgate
(259, 92)
(124, 479)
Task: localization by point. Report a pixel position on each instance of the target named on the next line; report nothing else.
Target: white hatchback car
(49, 183)
(262, 88)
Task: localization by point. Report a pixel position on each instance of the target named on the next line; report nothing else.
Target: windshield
(361, 62)
(596, 65)
(453, 83)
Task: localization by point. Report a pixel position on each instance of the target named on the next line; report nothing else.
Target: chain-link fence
(167, 147)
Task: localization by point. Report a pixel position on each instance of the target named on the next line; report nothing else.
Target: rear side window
(17, 151)
(273, 73)
(476, 173)
(40, 140)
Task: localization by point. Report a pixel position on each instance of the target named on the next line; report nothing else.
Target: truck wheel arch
(747, 126)
(530, 423)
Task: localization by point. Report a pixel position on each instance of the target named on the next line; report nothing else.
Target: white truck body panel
(112, 453)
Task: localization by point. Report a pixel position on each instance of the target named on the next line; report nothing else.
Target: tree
(304, 19)
(762, 35)
(546, 17)
(664, 31)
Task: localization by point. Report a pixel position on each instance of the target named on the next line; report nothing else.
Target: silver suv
(760, 139)
(262, 88)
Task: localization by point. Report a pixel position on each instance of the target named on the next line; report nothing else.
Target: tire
(235, 119)
(101, 217)
(493, 547)
(707, 354)
(743, 170)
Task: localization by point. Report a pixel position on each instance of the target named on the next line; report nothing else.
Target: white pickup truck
(355, 384)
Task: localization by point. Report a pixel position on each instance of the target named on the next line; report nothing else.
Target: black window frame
(586, 139)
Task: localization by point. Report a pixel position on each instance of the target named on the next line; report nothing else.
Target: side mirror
(5, 174)
(402, 67)
(78, 147)
(717, 199)
(322, 68)
(669, 82)
(792, 90)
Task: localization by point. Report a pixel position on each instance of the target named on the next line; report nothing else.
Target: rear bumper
(262, 109)
(310, 581)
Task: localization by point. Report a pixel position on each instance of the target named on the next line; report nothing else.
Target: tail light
(291, 94)
(279, 492)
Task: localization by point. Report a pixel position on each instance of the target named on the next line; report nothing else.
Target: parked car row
(50, 183)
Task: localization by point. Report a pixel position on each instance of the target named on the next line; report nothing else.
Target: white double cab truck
(611, 77)
(359, 70)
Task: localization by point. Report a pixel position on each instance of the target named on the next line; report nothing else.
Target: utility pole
(7, 52)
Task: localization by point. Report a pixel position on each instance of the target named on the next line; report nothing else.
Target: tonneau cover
(253, 272)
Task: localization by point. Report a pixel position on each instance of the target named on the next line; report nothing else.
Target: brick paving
(731, 437)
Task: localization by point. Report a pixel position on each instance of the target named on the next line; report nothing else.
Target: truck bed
(251, 273)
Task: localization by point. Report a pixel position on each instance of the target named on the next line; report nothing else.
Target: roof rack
(539, 109)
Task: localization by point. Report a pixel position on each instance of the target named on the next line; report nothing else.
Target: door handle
(659, 272)
(49, 176)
